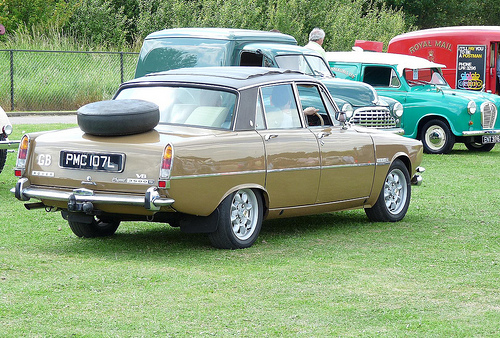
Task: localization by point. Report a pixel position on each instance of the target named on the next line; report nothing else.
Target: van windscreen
(172, 53)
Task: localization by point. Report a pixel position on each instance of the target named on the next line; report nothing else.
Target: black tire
(118, 117)
(437, 137)
(240, 220)
(96, 228)
(480, 147)
(394, 199)
(3, 154)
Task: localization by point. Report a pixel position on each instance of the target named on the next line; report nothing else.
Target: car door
(347, 156)
(292, 152)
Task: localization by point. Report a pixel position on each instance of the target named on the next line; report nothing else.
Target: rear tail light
(166, 165)
(22, 155)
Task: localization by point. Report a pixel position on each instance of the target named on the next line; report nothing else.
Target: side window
(378, 76)
(313, 105)
(259, 119)
(280, 108)
(250, 59)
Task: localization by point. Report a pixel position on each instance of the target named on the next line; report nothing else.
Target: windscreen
(173, 53)
(310, 65)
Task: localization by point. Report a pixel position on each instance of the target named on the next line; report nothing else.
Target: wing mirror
(345, 114)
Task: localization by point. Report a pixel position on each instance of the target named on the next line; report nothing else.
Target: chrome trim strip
(352, 165)
(275, 170)
(219, 174)
(293, 169)
(481, 132)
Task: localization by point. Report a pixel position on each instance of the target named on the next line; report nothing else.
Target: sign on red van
(469, 53)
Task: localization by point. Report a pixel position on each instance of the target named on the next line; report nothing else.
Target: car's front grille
(489, 115)
(373, 117)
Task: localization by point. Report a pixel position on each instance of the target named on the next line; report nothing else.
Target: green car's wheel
(476, 146)
(437, 137)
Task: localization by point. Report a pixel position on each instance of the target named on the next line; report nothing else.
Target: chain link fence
(37, 80)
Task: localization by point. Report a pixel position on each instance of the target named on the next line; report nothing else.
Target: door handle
(270, 136)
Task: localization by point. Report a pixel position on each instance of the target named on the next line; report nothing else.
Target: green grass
(435, 274)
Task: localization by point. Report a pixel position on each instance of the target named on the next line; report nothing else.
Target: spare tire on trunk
(118, 117)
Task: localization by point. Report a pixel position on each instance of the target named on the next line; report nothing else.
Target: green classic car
(215, 151)
(434, 113)
(195, 47)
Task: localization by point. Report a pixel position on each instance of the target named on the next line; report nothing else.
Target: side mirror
(342, 117)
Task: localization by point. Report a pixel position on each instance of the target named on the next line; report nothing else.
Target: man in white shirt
(316, 38)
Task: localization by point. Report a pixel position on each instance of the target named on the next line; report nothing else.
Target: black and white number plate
(91, 161)
(491, 139)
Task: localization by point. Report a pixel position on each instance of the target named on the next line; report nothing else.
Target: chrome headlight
(471, 107)
(397, 109)
(348, 110)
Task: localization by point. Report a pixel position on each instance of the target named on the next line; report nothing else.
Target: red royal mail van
(470, 53)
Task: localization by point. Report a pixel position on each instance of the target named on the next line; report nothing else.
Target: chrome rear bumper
(150, 201)
(9, 144)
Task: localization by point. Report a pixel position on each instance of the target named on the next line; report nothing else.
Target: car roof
(232, 76)
(399, 60)
(276, 48)
(454, 30)
(223, 34)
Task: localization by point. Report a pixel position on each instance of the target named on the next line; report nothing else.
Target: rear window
(191, 106)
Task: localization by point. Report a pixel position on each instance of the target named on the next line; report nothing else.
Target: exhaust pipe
(32, 206)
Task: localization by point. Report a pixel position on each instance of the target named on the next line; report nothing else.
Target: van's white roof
(399, 60)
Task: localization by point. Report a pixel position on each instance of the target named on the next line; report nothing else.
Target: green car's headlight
(471, 107)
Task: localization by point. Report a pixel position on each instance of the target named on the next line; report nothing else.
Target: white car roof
(399, 60)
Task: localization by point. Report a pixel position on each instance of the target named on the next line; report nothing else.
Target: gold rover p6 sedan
(216, 151)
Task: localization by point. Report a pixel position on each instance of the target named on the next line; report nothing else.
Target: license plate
(491, 139)
(91, 161)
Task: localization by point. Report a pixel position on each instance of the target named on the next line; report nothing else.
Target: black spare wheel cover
(118, 117)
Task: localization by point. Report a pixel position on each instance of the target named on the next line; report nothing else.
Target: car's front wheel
(96, 228)
(437, 137)
(240, 220)
(394, 199)
(477, 146)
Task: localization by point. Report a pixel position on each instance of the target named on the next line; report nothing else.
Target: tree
(41, 14)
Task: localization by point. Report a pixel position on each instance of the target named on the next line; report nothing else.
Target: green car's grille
(489, 115)
(373, 117)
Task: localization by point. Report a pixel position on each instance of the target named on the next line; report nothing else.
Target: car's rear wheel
(3, 155)
(394, 199)
(477, 146)
(240, 220)
(96, 228)
(437, 137)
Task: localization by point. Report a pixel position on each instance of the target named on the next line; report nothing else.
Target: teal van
(435, 113)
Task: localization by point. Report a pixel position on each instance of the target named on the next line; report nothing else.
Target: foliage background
(122, 24)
